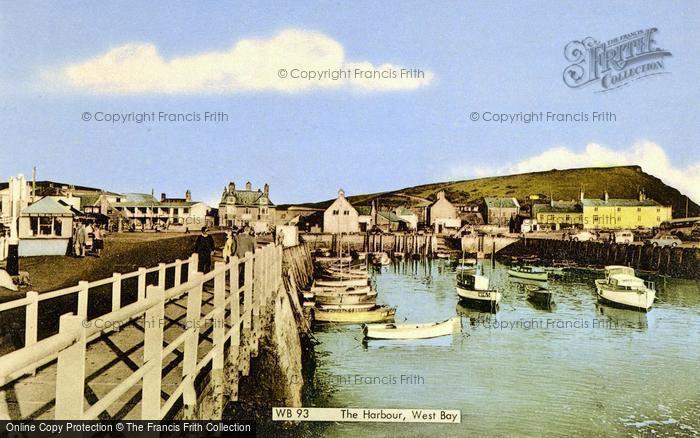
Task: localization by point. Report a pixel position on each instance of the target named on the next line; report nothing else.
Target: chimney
(441, 194)
(581, 195)
(642, 195)
(188, 196)
(341, 193)
(248, 186)
(162, 197)
(231, 187)
(266, 189)
(606, 197)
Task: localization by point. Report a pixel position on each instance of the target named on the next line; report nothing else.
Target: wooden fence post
(31, 319)
(153, 352)
(247, 310)
(178, 272)
(219, 337)
(116, 291)
(234, 348)
(193, 267)
(141, 284)
(189, 362)
(161, 275)
(70, 371)
(83, 298)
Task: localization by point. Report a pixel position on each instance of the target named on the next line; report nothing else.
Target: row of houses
(44, 213)
(443, 216)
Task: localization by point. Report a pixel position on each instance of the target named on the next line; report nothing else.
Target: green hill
(620, 182)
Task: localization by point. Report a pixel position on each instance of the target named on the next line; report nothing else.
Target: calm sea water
(577, 369)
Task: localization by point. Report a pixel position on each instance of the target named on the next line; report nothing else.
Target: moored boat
(342, 283)
(622, 288)
(413, 331)
(539, 295)
(528, 272)
(359, 290)
(347, 299)
(349, 316)
(348, 307)
(474, 289)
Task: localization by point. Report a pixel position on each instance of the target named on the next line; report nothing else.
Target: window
(639, 208)
(336, 212)
(595, 217)
(595, 209)
(41, 226)
(346, 212)
(619, 209)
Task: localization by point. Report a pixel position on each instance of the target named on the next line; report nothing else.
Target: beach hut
(45, 228)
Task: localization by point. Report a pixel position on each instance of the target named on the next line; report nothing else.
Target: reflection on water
(576, 367)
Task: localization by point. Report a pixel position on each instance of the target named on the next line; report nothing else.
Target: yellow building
(611, 213)
(558, 214)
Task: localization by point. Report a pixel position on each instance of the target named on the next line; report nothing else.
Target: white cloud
(250, 65)
(650, 156)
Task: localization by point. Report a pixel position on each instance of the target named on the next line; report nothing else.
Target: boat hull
(380, 314)
(413, 331)
(325, 299)
(486, 298)
(539, 276)
(641, 300)
(342, 283)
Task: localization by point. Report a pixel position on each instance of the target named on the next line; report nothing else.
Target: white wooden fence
(262, 279)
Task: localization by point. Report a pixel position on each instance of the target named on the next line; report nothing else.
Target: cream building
(341, 216)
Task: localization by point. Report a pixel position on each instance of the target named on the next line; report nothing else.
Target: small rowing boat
(348, 307)
(539, 295)
(345, 299)
(350, 316)
(359, 290)
(528, 272)
(351, 282)
(413, 331)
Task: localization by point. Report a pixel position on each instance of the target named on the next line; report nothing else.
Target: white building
(341, 217)
(145, 212)
(45, 227)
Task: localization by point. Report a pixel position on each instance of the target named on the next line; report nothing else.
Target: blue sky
(502, 57)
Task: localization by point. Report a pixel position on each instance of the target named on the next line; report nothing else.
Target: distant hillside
(620, 182)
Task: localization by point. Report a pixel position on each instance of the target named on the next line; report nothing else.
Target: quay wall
(675, 262)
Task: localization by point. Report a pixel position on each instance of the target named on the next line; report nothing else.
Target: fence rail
(238, 307)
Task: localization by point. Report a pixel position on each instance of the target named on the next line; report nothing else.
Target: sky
(309, 137)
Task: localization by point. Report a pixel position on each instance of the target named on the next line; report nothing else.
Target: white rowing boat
(351, 282)
(413, 331)
(345, 299)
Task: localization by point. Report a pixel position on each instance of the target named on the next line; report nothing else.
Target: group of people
(87, 239)
(238, 243)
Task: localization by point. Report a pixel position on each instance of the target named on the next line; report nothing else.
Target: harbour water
(578, 368)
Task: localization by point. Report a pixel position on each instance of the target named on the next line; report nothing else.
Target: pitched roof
(47, 206)
(501, 203)
(620, 203)
(363, 210)
(403, 211)
(245, 197)
(139, 197)
(558, 207)
(390, 216)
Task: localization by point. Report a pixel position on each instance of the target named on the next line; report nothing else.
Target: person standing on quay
(97, 242)
(204, 247)
(229, 246)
